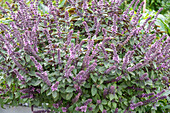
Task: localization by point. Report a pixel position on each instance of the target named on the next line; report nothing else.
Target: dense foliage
(79, 57)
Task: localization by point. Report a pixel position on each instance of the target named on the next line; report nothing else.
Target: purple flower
(95, 21)
(68, 72)
(127, 10)
(85, 5)
(55, 86)
(165, 78)
(104, 51)
(90, 108)
(160, 93)
(143, 76)
(69, 37)
(118, 78)
(104, 32)
(135, 67)
(86, 26)
(126, 59)
(37, 65)
(105, 92)
(87, 102)
(158, 12)
(74, 100)
(104, 111)
(112, 88)
(98, 101)
(133, 106)
(114, 27)
(83, 108)
(97, 28)
(110, 69)
(162, 97)
(19, 76)
(105, 40)
(81, 73)
(115, 55)
(64, 109)
(116, 110)
(67, 15)
(38, 90)
(136, 5)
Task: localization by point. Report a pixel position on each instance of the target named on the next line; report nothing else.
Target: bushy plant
(84, 57)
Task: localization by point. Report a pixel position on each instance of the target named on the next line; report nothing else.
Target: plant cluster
(84, 57)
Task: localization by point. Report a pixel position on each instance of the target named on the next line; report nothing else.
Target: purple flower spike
(87, 102)
(19, 76)
(143, 76)
(104, 111)
(112, 88)
(55, 86)
(64, 109)
(133, 106)
(110, 69)
(116, 110)
(86, 27)
(83, 108)
(69, 37)
(74, 100)
(165, 78)
(98, 101)
(67, 15)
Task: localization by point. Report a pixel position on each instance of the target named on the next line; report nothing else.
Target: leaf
(166, 107)
(36, 83)
(54, 94)
(70, 89)
(27, 57)
(104, 102)
(109, 50)
(94, 78)
(111, 97)
(44, 88)
(93, 90)
(114, 105)
(61, 3)
(68, 96)
(101, 107)
(48, 92)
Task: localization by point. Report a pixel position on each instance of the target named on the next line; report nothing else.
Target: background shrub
(84, 57)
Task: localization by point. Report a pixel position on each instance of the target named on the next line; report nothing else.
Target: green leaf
(149, 82)
(27, 57)
(101, 107)
(54, 94)
(68, 96)
(104, 101)
(61, 3)
(17, 94)
(36, 82)
(70, 89)
(94, 78)
(44, 88)
(166, 107)
(154, 63)
(114, 105)
(49, 92)
(93, 90)
(109, 50)
(111, 97)
(109, 104)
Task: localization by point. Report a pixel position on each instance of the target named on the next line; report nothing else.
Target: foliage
(155, 5)
(79, 57)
